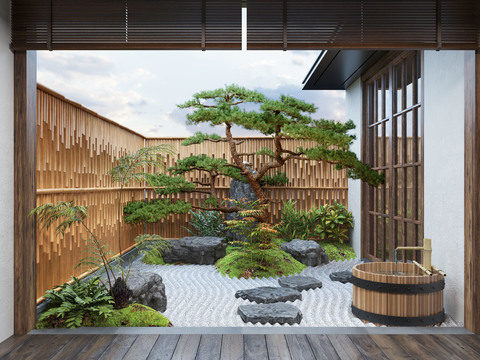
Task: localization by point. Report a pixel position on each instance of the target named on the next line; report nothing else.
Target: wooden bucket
(408, 299)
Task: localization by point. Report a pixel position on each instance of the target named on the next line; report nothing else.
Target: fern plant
(207, 223)
(69, 214)
(77, 301)
(152, 246)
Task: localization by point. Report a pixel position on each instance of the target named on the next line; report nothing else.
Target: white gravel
(199, 296)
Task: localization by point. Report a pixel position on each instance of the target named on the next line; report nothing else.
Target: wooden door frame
(25, 191)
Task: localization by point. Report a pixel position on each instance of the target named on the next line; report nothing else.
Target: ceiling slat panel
(132, 24)
(375, 24)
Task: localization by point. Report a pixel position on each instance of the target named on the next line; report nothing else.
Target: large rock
(195, 250)
(278, 313)
(240, 191)
(308, 252)
(300, 283)
(148, 289)
(269, 294)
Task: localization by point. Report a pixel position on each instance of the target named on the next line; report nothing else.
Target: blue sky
(140, 89)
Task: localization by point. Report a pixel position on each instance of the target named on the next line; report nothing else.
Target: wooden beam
(472, 191)
(25, 142)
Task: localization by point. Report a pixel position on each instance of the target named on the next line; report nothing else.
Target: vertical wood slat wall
(75, 149)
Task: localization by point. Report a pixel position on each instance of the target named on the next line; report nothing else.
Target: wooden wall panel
(76, 148)
(25, 63)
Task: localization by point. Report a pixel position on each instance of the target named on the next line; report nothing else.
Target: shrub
(152, 248)
(328, 222)
(335, 222)
(279, 179)
(207, 223)
(298, 224)
(74, 303)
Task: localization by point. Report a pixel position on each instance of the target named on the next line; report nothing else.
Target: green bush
(335, 222)
(152, 248)
(138, 212)
(207, 223)
(132, 315)
(279, 179)
(328, 222)
(298, 224)
(74, 303)
(337, 251)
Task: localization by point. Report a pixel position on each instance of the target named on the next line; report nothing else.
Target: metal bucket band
(399, 320)
(398, 288)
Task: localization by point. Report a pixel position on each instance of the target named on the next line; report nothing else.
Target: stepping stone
(278, 313)
(300, 283)
(269, 294)
(342, 276)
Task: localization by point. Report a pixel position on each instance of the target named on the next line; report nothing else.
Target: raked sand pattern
(199, 296)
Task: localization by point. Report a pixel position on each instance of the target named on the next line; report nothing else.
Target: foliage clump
(327, 222)
(134, 315)
(139, 212)
(152, 248)
(259, 255)
(207, 223)
(74, 304)
(279, 179)
(338, 251)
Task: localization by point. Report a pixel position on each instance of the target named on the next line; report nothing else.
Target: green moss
(153, 259)
(240, 263)
(337, 251)
(134, 315)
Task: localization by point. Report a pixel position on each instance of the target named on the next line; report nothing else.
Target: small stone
(269, 294)
(300, 283)
(278, 313)
(308, 252)
(342, 276)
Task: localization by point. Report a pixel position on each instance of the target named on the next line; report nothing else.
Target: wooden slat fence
(76, 148)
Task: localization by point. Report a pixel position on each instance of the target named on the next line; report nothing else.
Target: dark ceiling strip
(285, 39)
(204, 14)
(439, 24)
(49, 36)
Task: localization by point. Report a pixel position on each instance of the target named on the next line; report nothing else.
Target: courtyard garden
(251, 257)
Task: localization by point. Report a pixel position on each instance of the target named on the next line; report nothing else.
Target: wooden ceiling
(271, 24)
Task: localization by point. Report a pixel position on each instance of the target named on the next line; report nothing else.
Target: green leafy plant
(207, 223)
(74, 303)
(335, 222)
(66, 214)
(152, 247)
(328, 222)
(260, 255)
(297, 224)
(138, 212)
(279, 179)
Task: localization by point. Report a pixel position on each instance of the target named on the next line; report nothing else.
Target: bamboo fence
(77, 147)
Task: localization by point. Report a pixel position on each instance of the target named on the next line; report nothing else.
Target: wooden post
(472, 191)
(25, 142)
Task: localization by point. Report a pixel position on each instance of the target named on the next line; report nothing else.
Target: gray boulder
(300, 283)
(195, 250)
(243, 192)
(308, 252)
(147, 288)
(278, 313)
(269, 294)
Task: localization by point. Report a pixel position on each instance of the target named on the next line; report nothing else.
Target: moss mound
(153, 259)
(239, 263)
(337, 251)
(134, 315)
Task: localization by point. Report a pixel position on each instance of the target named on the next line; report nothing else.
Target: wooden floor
(65, 347)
